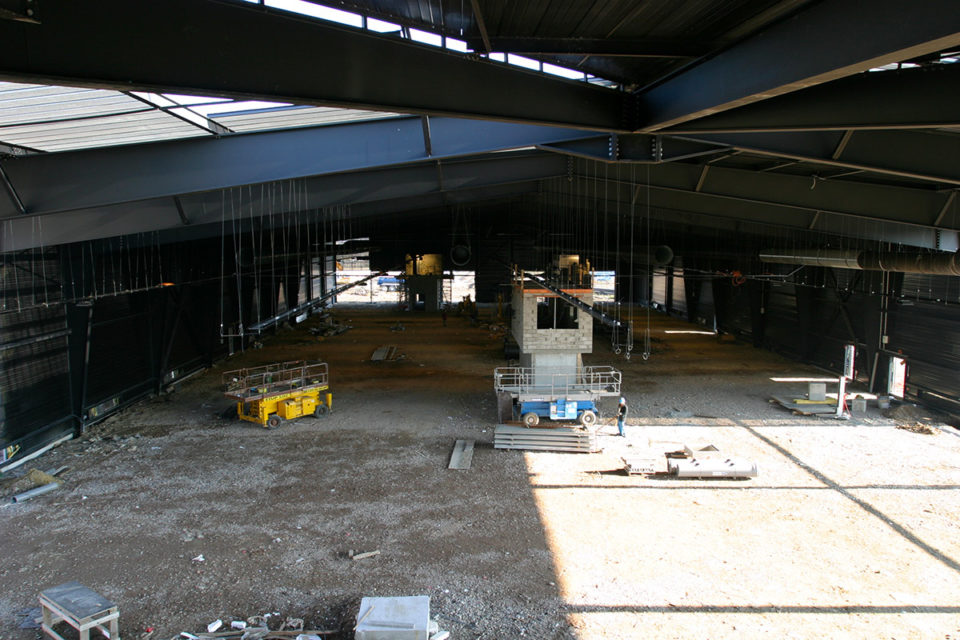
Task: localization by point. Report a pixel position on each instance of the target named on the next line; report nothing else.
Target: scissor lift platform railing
(257, 383)
(525, 383)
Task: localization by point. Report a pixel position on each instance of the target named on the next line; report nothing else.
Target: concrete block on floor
(817, 391)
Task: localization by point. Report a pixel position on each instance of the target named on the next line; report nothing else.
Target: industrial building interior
(714, 209)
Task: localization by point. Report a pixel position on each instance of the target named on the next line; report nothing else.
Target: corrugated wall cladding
(783, 331)
(918, 286)
(121, 349)
(34, 377)
(928, 335)
(733, 308)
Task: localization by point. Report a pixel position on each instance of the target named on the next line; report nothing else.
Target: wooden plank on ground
(462, 455)
(806, 408)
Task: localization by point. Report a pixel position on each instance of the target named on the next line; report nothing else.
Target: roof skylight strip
(429, 38)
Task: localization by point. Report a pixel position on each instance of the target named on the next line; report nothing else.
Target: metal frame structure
(835, 121)
(588, 383)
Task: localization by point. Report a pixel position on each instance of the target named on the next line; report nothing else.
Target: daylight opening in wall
(603, 286)
(388, 287)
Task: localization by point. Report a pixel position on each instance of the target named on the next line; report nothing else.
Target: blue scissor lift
(536, 394)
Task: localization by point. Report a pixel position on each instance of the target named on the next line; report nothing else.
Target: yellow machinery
(274, 393)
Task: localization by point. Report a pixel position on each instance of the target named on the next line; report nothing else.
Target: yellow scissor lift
(273, 393)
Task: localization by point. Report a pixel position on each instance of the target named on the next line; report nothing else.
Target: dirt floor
(182, 517)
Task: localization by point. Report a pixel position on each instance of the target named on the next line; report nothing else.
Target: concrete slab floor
(848, 532)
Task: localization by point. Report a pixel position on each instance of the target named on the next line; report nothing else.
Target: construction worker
(622, 412)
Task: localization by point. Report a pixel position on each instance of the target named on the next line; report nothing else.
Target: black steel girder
(923, 97)
(56, 182)
(829, 40)
(916, 154)
(206, 47)
(606, 47)
(920, 154)
(800, 200)
(672, 199)
(374, 189)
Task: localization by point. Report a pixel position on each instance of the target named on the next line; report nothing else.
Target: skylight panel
(193, 100)
(426, 37)
(318, 11)
(241, 106)
(457, 45)
(563, 72)
(523, 61)
(381, 26)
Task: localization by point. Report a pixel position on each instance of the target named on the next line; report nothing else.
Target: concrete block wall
(532, 340)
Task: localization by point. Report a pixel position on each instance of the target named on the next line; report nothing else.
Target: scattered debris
(366, 554)
(33, 493)
(918, 428)
(292, 624)
(199, 558)
(238, 624)
(329, 328)
(30, 618)
(215, 625)
(387, 352)
(33, 483)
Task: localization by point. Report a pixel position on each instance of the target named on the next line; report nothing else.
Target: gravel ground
(848, 532)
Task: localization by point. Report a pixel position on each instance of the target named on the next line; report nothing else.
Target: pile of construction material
(569, 439)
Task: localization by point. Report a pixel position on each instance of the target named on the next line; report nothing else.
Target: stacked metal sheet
(569, 439)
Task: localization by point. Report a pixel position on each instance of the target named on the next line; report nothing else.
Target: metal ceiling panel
(148, 126)
(289, 117)
(26, 103)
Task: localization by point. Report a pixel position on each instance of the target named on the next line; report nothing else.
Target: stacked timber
(569, 439)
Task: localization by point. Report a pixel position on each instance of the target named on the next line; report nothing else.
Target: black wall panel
(34, 376)
(927, 334)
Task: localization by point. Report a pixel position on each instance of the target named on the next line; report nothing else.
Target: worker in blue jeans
(622, 411)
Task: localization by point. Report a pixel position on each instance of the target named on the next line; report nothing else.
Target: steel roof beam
(674, 201)
(913, 154)
(776, 195)
(932, 156)
(363, 189)
(925, 97)
(829, 40)
(308, 61)
(607, 47)
(56, 182)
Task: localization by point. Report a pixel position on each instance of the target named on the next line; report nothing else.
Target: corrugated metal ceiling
(705, 26)
(50, 118)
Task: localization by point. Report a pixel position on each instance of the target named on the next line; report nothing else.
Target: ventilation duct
(944, 264)
(659, 256)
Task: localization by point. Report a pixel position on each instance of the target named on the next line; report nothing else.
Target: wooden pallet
(568, 439)
(806, 407)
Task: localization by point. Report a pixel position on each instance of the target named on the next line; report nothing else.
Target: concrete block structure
(550, 332)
